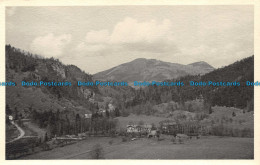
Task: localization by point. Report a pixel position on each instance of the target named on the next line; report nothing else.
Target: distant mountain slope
(142, 69)
(205, 67)
(22, 66)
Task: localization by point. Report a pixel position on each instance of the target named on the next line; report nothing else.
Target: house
(111, 108)
(88, 116)
(133, 128)
(168, 126)
(147, 128)
(10, 118)
(101, 111)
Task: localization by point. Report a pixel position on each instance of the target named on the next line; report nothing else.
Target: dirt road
(22, 133)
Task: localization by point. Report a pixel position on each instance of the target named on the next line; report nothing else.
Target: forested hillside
(56, 108)
(231, 96)
(22, 66)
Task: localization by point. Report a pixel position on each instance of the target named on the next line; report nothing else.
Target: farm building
(101, 111)
(88, 116)
(132, 128)
(168, 127)
(147, 128)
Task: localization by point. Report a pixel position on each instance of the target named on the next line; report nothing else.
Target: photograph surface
(129, 82)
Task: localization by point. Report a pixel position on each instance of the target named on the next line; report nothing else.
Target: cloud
(132, 31)
(217, 55)
(130, 34)
(50, 45)
(97, 37)
(10, 11)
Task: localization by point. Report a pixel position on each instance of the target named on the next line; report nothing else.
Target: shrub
(173, 140)
(110, 142)
(97, 152)
(122, 132)
(180, 140)
(124, 139)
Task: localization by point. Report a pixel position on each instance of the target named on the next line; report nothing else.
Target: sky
(97, 38)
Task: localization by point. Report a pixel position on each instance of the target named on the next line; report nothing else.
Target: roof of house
(169, 123)
(141, 126)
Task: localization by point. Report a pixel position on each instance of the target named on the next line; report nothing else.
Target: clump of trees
(59, 124)
(225, 130)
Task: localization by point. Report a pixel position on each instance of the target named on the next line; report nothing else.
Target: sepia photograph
(124, 82)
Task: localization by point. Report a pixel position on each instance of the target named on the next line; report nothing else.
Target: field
(211, 147)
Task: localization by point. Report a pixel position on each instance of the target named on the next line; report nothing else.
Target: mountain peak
(142, 69)
(201, 64)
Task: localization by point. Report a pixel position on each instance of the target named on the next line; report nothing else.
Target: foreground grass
(204, 148)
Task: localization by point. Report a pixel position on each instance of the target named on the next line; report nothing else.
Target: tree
(52, 125)
(57, 115)
(117, 112)
(67, 128)
(207, 107)
(190, 109)
(16, 115)
(153, 127)
(210, 110)
(7, 119)
(8, 110)
(20, 123)
(77, 124)
(106, 106)
(46, 137)
(107, 113)
(169, 107)
(130, 123)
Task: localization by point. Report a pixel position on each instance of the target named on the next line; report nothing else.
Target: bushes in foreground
(97, 152)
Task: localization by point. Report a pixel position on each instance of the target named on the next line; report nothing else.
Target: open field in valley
(211, 147)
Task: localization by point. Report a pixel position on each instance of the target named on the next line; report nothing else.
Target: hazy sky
(98, 38)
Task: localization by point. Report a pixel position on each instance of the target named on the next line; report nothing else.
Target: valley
(72, 122)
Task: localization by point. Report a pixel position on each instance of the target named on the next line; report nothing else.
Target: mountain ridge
(142, 69)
